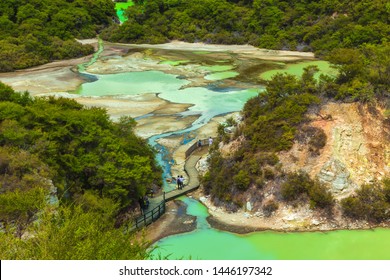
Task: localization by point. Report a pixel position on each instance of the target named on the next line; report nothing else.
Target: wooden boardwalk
(157, 204)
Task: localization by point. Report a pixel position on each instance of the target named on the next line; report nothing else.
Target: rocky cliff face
(357, 150)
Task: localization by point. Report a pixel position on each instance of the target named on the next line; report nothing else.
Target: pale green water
(174, 62)
(221, 75)
(81, 67)
(297, 69)
(217, 68)
(207, 103)
(131, 83)
(210, 244)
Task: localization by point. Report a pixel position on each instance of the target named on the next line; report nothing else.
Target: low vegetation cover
(55, 149)
(35, 32)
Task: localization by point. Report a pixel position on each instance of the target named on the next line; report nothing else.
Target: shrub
(320, 196)
(298, 184)
(369, 203)
(295, 185)
(242, 180)
(268, 173)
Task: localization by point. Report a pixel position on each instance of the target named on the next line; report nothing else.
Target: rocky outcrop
(336, 175)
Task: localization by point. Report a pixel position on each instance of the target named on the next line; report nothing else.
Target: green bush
(242, 180)
(268, 173)
(320, 196)
(295, 185)
(299, 184)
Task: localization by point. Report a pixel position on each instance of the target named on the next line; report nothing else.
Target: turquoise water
(131, 83)
(206, 102)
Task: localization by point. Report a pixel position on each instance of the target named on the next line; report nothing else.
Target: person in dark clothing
(146, 202)
(141, 203)
(199, 143)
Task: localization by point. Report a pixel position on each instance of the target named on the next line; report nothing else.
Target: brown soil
(174, 221)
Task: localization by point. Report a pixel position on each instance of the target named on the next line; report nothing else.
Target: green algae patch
(221, 75)
(217, 68)
(174, 62)
(297, 69)
(201, 52)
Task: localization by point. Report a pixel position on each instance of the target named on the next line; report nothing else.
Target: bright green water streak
(221, 75)
(120, 7)
(174, 62)
(211, 244)
(95, 57)
(297, 69)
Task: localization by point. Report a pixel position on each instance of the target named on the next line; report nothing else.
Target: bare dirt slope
(357, 151)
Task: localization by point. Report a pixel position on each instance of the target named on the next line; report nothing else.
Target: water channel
(213, 100)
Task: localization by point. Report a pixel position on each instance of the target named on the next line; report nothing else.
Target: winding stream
(206, 242)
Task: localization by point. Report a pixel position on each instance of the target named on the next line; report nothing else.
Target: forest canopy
(56, 141)
(76, 172)
(35, 32)
(275, 24)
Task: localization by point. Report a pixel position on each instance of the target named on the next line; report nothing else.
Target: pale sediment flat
(155, 125)
(246, 50)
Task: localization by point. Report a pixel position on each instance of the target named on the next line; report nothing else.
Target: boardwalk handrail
(193, 147)
(149, 217)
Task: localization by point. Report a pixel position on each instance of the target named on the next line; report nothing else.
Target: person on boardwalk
(199, 144)
(181, 182)
(146, 202)
(210, 141)
(141, 203)
(178, 182)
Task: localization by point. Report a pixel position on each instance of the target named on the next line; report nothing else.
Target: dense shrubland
(35, 32)
(56, 148)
